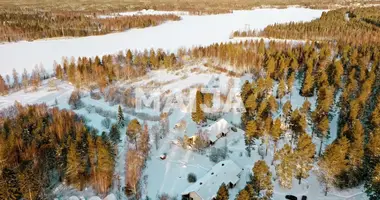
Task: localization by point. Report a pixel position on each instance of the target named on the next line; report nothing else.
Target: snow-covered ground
(188, 32)
(170, 175)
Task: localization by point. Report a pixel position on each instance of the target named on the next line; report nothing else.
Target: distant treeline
(355, 26)
(193, 6)
(21, 25)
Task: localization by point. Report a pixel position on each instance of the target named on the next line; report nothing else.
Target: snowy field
(188, 32)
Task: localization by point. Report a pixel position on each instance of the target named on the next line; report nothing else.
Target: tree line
(354, 26)
(32, 25)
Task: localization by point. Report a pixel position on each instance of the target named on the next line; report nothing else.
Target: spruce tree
(120, 117)
(115, 134)
(222, 193)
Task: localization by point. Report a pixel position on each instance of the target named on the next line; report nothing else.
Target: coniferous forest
(40, 147)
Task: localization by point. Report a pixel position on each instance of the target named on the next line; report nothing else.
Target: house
(206, 188)
(212, 132)
(217, 130)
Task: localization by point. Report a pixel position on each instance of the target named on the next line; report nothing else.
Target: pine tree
(375, 117)
(129, 57)
(133, 130)
(373, 186)
(222, 193)
(3, 86)
(308, 84)
(15, 76)
(198, 115)
(298, 124)
(245, 90)
(373, 147)
(290, 83)
(252, 130)
(144, 145)
(10, 188)
(337, 74)
(333, 163)
(120, 117)
(281, 90)
(261, 180)
(261, 47)
(243, 195)
(284, 169)
(270, 67)
(276, 132)
(105, 166)
(287, 111)
(115, 134)
(303, 156)
(356, 151)
(73, 165)
(322, 128)
(30, 182)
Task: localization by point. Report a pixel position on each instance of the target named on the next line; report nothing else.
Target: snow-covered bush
(218, 154)
(90, 108)
(95, 95)
(106, 123)
(105, 113)
(165, 196)
(192, 178)
(75, 100)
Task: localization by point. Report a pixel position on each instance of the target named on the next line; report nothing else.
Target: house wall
(195, 196)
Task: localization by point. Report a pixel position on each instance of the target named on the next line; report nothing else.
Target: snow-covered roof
(224, 172)
(215, 129)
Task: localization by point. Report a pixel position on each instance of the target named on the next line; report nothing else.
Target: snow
(223, 172)
(190, 31)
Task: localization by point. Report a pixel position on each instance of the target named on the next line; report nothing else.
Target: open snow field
(188, 32)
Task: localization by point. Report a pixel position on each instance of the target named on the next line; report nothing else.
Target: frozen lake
(190, 31)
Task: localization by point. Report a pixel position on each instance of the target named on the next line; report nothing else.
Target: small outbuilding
(217, 130)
